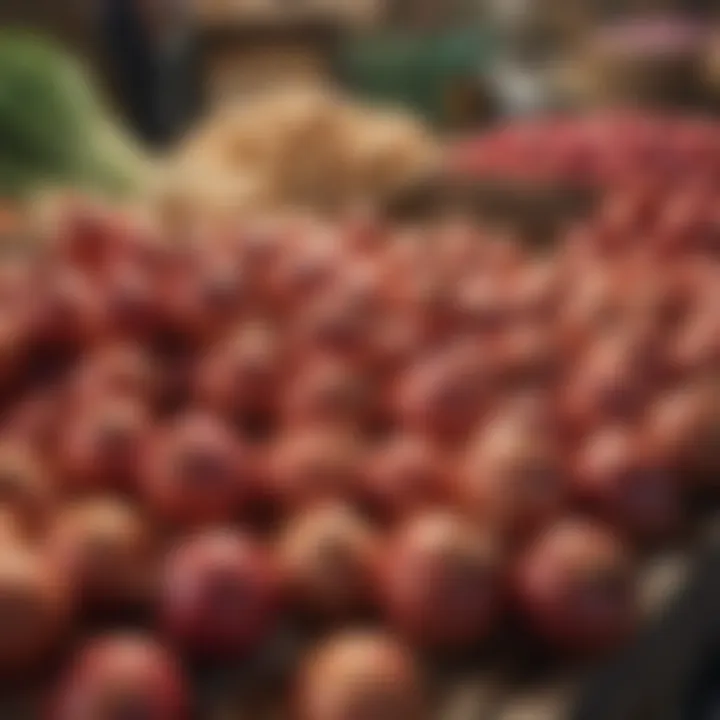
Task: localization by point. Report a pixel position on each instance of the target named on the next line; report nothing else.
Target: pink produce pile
(434, 428)
(609, 149)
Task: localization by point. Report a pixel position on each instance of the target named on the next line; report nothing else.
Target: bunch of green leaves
(54, 130)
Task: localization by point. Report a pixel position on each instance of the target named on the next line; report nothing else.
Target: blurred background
(456, 63)
(442, 59)
(164, 68)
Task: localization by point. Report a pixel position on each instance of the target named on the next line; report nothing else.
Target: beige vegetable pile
(297, 147)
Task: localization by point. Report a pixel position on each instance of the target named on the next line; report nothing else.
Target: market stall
(323, 413)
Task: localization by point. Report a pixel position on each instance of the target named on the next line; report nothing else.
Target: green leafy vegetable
(54, 130)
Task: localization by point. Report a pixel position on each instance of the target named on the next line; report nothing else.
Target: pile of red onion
(434, 428)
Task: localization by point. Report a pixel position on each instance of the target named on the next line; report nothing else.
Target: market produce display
(434, 429)
(298, 147)
(610, 148)
(55, 129)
